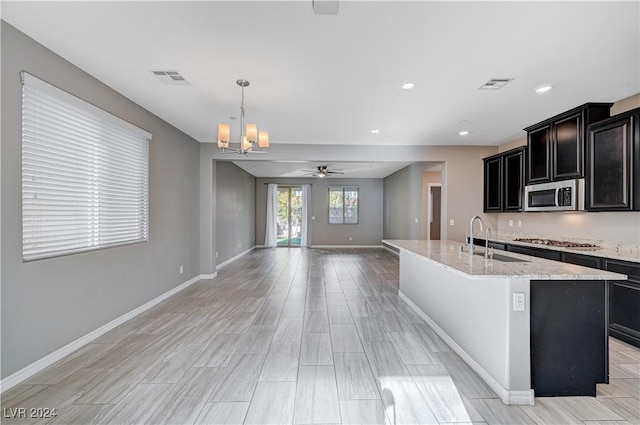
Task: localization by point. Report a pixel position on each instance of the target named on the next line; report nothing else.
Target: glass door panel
(295, 215)
(289, 230)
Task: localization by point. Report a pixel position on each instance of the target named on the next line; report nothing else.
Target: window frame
(344, 189)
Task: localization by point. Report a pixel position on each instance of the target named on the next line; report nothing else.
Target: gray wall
(367, 232)
(462, 170)
(235, 210)
(462, 191)
(404, 210)
(47, 304)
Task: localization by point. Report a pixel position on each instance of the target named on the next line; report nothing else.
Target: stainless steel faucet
(474, 218)
(487, 236)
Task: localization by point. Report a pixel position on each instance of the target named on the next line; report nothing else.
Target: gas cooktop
(562, 244)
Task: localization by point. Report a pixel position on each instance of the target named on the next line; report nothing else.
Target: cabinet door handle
(558, 197)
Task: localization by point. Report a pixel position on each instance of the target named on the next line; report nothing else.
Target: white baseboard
(347, 246)
(523, 397)
(35, 367)
(208, 276)
(234, 258)
(386, 248)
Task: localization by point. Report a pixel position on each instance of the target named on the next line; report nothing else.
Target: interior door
(289, 229)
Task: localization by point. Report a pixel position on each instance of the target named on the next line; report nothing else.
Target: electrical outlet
(518, 301)
(519, 223)
(510, 223)
(416, 219)
(350, 238)
(181, 269)
(452, 222)
(216, 254)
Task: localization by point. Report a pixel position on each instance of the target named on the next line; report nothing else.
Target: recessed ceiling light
(375, 131)
(408, 86)
(544, 88)
(463, 132)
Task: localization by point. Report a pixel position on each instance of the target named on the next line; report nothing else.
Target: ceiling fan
(322, 171)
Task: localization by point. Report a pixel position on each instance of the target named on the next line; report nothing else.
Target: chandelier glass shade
(250, 137)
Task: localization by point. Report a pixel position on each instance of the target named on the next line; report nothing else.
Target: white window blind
(84, 175)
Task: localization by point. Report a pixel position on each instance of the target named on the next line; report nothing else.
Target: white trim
(391, 250)
(347, 246)
(208, 276)
(522, 397)
(234, 258)
(35, 367)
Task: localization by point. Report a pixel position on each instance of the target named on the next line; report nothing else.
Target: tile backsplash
(611, 229)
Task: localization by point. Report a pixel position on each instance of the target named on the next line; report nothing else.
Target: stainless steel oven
(565, 195)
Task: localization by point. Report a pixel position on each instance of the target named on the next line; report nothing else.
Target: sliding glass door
(289, 229)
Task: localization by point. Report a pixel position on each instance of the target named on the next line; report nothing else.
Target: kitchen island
(528, 326)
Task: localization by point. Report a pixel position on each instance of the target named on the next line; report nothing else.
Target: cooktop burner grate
(552, 242)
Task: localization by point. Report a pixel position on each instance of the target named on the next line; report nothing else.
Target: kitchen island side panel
(569, 339)
(477, 316)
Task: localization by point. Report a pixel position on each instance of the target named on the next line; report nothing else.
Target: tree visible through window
(343, 205)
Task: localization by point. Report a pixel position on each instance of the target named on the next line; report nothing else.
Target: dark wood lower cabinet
(569, 345)
(536, 252)
(582, 260)
(624, 318)
(624, 296)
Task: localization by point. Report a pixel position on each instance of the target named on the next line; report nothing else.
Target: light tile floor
(297, 336)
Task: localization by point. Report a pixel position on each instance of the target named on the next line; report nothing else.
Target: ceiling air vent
(495, 84)
(170, 78)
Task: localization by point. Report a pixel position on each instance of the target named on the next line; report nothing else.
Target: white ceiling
(331, 79)
(307, 168)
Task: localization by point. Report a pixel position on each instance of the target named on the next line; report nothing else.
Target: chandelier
(249, 135)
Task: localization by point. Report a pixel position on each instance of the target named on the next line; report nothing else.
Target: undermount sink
(500, 257)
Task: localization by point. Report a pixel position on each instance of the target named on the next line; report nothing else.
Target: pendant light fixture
(249, 135)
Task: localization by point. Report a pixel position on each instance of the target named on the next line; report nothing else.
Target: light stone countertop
(449, 256)
(611, 250)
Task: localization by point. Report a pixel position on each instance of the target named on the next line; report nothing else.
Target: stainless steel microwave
(565, 195)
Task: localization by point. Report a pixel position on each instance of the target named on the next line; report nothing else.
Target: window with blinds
(84, 175)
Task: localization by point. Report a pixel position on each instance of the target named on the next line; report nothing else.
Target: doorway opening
(435, 210)
(289, 218)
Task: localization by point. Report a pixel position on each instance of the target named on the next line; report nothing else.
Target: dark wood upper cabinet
(539, 142)
(504, 181)
(493, 184)
(613, 157)
(568, 148)
(557, 145)
(514, 180)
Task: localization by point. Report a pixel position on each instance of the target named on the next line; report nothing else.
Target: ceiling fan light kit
(249, 135)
